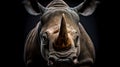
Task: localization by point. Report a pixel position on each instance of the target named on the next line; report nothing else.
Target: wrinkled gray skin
(59, 39)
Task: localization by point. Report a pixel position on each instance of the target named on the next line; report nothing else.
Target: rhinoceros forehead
(53, 26)
(55, 14)
(54, 30)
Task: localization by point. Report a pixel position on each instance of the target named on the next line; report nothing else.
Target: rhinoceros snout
(65, 61)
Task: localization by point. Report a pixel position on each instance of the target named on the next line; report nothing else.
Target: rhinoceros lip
(65, 61)
(63, 55)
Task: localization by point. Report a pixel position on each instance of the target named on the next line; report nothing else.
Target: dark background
(102, 27)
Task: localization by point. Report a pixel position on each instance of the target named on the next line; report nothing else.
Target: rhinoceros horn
(62, 42)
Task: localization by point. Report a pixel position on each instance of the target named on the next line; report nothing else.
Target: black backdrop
(101, 26)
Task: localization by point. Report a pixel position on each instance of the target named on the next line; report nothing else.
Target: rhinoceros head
(59, 37)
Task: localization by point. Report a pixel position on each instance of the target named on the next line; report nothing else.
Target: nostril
(75, 57)
(75, 60)
(51, 61)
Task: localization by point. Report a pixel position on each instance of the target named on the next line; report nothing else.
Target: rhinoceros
(59, 39)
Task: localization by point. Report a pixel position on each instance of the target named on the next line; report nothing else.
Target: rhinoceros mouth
(65, 58)
(64, 55)
(63, 62)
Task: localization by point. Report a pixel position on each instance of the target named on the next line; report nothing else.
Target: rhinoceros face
(62, 39)
(60, 36)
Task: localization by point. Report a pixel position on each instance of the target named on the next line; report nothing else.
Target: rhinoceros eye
(76, 41)
(44, 36)
(45, 40)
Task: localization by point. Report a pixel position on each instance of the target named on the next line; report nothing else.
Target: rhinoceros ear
(86, 8)
(87, 53)
(32, 54)
(33, 7)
